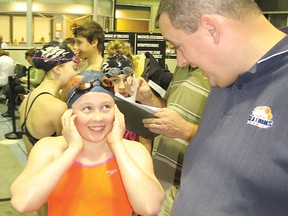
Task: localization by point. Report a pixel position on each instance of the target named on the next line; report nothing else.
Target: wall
(154, 7)
(19, 56)
(273, 5)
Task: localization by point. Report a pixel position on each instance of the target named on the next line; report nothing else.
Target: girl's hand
(70, 131)
(117, 132)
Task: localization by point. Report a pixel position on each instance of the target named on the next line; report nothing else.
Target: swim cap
(51, 55)
(116, 65)
(87, 81)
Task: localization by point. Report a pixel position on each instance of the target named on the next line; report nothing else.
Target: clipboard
(134, 114)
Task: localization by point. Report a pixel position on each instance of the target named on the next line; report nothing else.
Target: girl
(41, 110)
(90, 170)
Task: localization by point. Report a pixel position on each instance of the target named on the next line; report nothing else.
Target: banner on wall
(153, 43)
(125, 36)
(141, 43)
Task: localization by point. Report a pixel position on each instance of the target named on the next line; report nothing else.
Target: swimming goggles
(85, 86)
(116, 71)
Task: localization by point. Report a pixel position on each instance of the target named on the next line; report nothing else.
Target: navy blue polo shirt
(238, 162)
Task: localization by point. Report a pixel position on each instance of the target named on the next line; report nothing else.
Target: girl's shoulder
(51, 145)
(135, 147)
(51, 103)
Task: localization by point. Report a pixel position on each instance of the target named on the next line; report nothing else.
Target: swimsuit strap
(26, 113)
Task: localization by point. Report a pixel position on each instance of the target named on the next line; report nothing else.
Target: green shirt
(186, 95)
(36, 77)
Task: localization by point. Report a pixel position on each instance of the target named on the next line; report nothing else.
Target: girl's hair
(30, 53)
(120, 47)
(4, 52)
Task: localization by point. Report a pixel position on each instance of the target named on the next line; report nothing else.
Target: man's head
(186, 14)
(92, 32)
(202, 33)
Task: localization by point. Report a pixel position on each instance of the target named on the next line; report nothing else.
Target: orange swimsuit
(90, 190)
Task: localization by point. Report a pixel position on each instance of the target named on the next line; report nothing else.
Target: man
(176, 123)
(89, 44)
(237, 162)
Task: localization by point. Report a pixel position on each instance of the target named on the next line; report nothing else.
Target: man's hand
(170, 124)
(144, 93)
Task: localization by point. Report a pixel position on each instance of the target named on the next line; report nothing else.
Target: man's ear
(94, 43)
(211, 23)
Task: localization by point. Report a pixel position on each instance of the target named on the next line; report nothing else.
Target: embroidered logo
(111, 172)
(261, 117)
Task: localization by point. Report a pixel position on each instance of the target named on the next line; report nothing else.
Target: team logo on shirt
(261, 117)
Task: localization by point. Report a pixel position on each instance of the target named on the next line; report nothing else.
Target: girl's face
(95, 116)
(68, 70)
(119, 84)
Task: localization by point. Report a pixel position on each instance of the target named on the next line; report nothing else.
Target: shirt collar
(278, 52)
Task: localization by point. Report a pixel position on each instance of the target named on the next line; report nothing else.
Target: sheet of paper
(132, 99)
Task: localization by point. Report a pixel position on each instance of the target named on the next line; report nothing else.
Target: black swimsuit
(24, 128)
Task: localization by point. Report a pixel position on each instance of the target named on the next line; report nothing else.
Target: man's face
(83, 48)
(197, 49)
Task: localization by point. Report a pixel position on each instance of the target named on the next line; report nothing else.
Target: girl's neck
(94, 153)
(50, 86)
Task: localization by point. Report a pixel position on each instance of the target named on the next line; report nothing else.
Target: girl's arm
(48, 161)
(135, 164)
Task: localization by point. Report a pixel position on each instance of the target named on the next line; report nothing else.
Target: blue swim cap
(87, 81)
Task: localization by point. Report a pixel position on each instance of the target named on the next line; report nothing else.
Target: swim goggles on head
(86, 86)
(116, 71)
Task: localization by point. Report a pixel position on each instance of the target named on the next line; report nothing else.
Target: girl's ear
(57, 69)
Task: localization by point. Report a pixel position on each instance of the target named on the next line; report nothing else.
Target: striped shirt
(186, 95)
